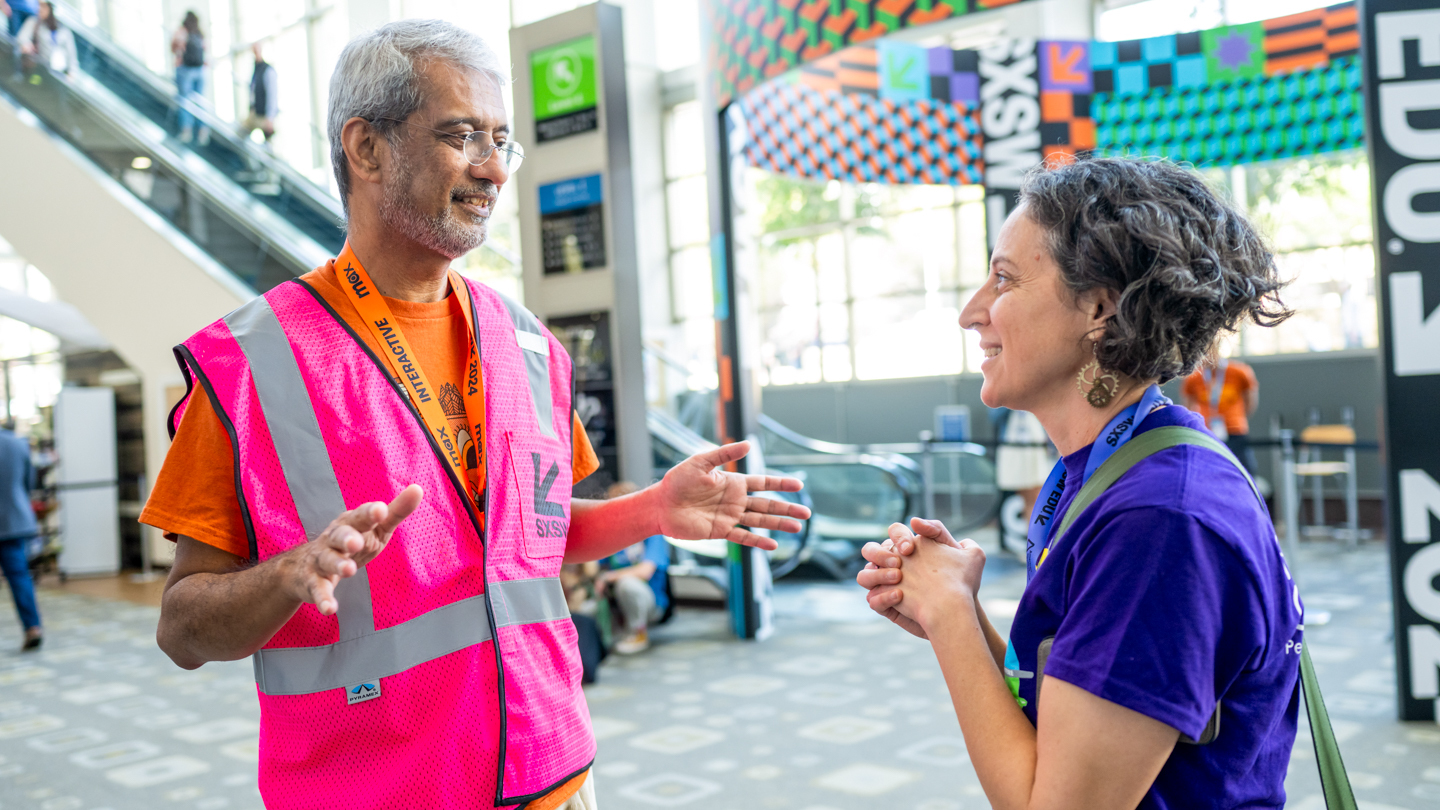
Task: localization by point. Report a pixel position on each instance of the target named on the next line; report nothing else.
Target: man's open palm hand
(700, 500)
(349, 542)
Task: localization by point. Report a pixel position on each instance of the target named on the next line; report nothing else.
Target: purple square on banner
(965, 87)
(941, 61)
(1066, 66)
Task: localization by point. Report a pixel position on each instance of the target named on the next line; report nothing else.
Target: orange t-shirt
(194, 494)
(1239, 381)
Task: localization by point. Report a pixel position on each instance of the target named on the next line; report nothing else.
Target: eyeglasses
(479, 146)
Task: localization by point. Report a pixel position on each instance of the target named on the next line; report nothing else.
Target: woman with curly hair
(1154, 657)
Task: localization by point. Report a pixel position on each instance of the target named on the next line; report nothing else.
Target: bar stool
(1313, 466)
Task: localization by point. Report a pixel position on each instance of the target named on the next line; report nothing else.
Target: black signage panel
(572, 225)
(1402, 95)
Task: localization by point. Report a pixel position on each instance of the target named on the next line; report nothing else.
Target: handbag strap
(1334, 782)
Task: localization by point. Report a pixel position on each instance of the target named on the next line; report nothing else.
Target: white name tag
(532, 342)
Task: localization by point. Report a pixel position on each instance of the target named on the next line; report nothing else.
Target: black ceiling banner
(1402, 95)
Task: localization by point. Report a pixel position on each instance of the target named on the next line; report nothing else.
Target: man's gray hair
(377, 78)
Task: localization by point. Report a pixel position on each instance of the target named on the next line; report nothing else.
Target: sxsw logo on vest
(361, 692)
(559, 527)
(1010, 119)
(1402, 77)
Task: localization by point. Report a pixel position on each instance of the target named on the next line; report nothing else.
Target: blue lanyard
(1115, 434)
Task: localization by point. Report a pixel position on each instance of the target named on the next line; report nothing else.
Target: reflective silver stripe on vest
(305, 670)
(535, 348)
(290, 416)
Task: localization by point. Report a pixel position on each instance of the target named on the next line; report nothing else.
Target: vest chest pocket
(542, 476)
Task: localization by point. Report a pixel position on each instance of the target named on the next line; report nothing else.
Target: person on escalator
(264, 106)
(44, 42)
(188, 46)
(18, 11)
(264, 98)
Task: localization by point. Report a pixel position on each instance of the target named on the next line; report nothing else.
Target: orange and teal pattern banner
(753, 41)
(897, 112)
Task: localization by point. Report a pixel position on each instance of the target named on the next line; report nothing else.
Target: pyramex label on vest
(408, 369)
(361, 692)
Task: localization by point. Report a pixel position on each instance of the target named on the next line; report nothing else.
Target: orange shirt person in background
(1225, 392)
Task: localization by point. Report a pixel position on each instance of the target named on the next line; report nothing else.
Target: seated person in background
(635, 578)
(578, 580)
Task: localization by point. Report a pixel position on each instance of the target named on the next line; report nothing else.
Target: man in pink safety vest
(370, 489)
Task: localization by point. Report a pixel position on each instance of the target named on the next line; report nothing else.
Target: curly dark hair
(1184, 262)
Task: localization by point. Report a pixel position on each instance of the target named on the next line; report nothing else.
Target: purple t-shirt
(1167, 594)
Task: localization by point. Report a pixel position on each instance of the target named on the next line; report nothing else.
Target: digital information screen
(572, 225)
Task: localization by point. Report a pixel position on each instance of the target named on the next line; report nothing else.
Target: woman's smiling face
(1032, 328)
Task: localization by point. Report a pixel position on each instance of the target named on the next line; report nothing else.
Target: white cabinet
(86, 481)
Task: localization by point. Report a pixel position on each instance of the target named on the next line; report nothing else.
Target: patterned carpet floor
(839, 710)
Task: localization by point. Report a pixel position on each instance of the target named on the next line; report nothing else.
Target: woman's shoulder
(1191, 484)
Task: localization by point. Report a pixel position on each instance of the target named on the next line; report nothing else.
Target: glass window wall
(864, 281)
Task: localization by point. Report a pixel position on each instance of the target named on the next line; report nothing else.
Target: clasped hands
(921, 575)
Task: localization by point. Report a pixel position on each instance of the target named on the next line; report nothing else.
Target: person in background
(264, 98)
(1224, 392)
(636, 577)
(44, 42)
(17, 529)
(188, 46)
(18, 11)
(578, 580)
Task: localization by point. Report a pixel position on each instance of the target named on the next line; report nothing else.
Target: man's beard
(444, 232)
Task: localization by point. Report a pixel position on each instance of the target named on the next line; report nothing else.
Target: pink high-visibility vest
(405, 698)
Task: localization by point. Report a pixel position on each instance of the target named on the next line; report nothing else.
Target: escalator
(249, 211)
(853, 493)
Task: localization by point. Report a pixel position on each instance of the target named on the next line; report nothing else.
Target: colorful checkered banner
(752, 41)
(901, 113)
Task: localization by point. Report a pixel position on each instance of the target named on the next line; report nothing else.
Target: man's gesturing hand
(699, 500)
(350, 541)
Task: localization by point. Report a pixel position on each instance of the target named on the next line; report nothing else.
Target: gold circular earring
(1097, 385)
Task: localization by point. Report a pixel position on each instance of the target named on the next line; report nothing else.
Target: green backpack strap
(1334, 782)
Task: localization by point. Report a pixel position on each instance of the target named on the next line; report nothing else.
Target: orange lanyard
(406, 366)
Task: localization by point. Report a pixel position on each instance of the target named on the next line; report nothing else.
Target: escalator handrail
(835, 448)
(903, 474)
(669, 430)
(906, 473)
(266, 226)
(164, 90)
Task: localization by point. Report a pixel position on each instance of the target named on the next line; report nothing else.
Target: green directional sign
(565, 89)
